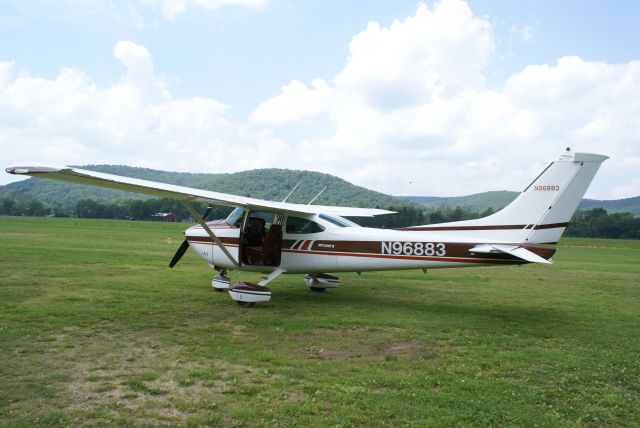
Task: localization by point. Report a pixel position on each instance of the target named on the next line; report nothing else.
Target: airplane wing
(81, 176)
(514, 250)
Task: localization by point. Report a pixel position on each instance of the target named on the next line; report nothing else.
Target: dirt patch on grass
(344, 344)
(237, 330)
(124, 376)
(35, 235)
(387, 351)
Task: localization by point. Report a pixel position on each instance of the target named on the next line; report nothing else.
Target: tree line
(596, 222)
(131, 209)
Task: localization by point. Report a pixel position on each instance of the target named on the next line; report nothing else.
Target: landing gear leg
(221, 281)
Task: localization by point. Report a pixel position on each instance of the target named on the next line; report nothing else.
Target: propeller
(178, 255)
(185, 244)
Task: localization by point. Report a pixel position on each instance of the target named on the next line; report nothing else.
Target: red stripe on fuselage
(419, 258)
(305, 245)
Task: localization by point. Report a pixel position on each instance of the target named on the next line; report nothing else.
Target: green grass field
(95, 330)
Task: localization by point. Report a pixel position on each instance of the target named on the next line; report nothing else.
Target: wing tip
(28, 170)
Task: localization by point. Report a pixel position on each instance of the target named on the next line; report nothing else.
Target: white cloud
(296, 102)
(136, 121)
(409, 113)
(418, 59)
(414, 94)
(140, 73)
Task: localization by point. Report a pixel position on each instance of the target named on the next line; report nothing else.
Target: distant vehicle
(280, 237)
(166, 217)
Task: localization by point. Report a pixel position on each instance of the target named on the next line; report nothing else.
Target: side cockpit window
(302, 225)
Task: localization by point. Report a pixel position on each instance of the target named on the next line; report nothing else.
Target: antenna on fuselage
(291, 192)
(317, 196)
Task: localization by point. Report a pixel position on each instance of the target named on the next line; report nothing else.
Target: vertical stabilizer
(548, 203)
(541, 213)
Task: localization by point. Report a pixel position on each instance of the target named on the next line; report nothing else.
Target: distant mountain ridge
(499, 199)
(275, 184)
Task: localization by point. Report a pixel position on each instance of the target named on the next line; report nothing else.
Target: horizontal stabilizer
(514, 250)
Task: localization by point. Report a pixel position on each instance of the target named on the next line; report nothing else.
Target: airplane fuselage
(358, 249)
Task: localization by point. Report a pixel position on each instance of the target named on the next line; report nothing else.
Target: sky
(438, 98)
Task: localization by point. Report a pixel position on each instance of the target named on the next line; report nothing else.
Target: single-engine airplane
(279, 237)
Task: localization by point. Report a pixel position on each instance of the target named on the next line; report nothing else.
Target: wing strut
(207, 229)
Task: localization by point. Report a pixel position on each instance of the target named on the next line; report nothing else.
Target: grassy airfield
(96, 330)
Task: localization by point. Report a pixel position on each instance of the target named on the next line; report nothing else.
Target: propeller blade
(181, 250)
(185, 244)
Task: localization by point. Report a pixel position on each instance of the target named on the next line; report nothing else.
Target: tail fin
(548, 203)
(541, 213)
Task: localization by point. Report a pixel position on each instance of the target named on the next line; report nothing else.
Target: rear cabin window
(339, 221)
(302, 225)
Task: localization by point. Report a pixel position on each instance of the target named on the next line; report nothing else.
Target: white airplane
(314, 239)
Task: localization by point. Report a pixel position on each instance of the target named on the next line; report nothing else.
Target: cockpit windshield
(338, 221)
(235, 218)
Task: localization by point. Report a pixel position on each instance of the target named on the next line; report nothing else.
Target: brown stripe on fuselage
(287, 243)
(305, 245)
(452, 250)
(550, 225)
(441, 228)
(468, 259)
(496, 227)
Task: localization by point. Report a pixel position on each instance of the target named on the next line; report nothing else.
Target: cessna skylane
(277, 238)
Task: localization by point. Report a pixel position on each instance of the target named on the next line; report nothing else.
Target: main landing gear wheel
(321, 281)
(245, 304)
(221, 281)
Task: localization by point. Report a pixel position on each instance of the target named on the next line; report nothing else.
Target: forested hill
(271, 184)
(275, 184)
(498, 199)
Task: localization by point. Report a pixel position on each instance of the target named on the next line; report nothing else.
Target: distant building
(169, 217)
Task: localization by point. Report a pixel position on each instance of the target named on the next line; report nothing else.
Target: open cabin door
(261, 239)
